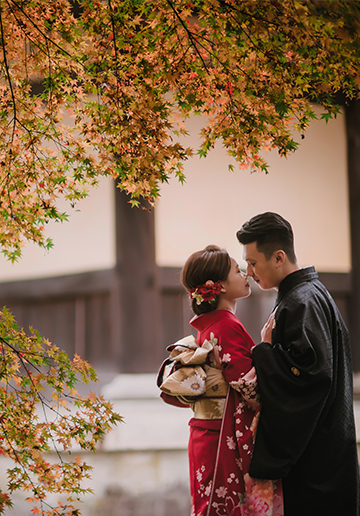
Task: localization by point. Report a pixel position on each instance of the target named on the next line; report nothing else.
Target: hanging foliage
(42, 417)
(104, 88)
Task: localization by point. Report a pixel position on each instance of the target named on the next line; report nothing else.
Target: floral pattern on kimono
(220, 451)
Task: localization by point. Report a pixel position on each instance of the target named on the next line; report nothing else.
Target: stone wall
(141, 468)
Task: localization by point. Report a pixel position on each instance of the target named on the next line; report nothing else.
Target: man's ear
(279, 258)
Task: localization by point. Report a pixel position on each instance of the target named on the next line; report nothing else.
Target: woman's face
(236, 284)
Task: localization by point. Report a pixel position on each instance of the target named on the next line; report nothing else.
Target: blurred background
(109, 291)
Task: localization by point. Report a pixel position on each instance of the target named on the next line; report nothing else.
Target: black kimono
(306, 433)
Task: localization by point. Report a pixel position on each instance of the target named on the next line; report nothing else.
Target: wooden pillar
(136, 301)
(352, 111)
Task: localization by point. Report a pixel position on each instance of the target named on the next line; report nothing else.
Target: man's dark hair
(271, 232)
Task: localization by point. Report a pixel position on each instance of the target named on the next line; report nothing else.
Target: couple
(274, 432)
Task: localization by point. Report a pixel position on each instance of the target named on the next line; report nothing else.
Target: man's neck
(288, 268)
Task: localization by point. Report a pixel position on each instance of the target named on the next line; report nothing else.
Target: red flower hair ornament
(207, 292)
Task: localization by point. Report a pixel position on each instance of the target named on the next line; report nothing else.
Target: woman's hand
(266, 332)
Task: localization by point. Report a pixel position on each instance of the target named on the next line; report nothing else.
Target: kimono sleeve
(235, 350)
(295, 378)
(173, 400)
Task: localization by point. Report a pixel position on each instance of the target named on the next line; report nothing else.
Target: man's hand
(266, 332)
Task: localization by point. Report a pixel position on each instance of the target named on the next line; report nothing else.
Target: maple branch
(37, 27)
(189, 33)
(7, 71)
(115, 49)
(17, 457)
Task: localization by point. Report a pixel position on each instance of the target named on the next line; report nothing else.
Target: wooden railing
(80, 314)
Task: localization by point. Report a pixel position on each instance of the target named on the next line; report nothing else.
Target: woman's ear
(222, 288)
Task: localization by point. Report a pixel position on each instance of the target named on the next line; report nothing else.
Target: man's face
(264, 272)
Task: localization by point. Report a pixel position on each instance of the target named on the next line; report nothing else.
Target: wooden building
(121, 311)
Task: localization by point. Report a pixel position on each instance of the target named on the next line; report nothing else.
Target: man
(306, 432)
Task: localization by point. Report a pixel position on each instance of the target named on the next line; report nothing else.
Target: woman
(222, 430)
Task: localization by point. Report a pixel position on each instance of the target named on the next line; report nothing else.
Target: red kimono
(223, 430)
